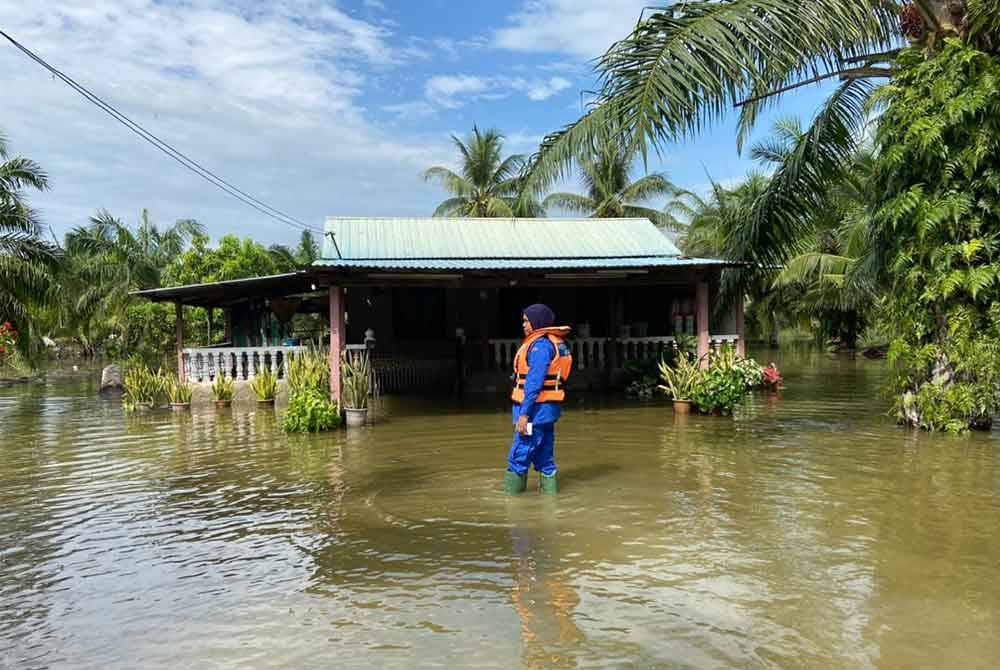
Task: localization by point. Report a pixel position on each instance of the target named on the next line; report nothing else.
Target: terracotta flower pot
(355, 417)
(682, 406)
(223, 404)
(264, 403)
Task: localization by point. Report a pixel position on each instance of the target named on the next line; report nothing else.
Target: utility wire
(166, 148)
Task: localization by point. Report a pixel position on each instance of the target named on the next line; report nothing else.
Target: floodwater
(809, 532)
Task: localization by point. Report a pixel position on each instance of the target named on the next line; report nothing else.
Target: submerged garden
(716, 511)
(874, 224)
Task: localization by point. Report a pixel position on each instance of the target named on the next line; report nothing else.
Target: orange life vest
(558, 372)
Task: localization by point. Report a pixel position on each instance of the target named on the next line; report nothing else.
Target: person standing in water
(541, 367)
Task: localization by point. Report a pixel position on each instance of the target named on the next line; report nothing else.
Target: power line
(163, 146)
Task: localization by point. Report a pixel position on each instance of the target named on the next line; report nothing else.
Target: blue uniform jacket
(540, 355)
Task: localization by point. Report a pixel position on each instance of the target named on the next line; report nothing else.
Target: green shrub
(686, 344)
(265, 384)
(750, 371)
(715, 390)
(641, 378)
(310, 411)
(718, 390)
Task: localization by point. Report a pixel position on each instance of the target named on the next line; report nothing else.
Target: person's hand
(522, 425)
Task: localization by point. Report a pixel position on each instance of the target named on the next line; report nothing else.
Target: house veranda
(438, 301)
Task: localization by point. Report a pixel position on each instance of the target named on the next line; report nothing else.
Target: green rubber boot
(549, 485)
(514, 484)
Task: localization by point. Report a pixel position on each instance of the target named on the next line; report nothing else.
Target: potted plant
(142, 388)
(356, 386)
(679, 381)
(265, 385)
(179, 393)
(222, 390)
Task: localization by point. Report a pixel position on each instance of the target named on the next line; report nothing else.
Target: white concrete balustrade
(238, 363)
(587, 352)
(593, 352)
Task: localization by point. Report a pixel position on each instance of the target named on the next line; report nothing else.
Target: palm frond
(20, 173)
(797, 192)
(453, 183)
(983, 23)
(453, 207)
(684, 68)
(569, 201)
(500, 207)
(646, 187)
(508, 170)
(661, 220)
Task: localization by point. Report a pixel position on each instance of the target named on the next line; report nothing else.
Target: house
(438, 300)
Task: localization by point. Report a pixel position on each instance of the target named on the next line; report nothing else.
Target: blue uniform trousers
(537, 449)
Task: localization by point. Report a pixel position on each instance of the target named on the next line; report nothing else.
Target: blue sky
(319, 108)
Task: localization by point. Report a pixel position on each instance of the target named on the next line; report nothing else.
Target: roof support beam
(179, 337)
(337, 335)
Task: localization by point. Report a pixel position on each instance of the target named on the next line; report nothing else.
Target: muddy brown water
(809, 532)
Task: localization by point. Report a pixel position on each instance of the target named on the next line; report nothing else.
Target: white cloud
(545, 89)
(257, 93)
(375, 4)
(417, 109)
(453, 91)
(446, 89)
(583, 28)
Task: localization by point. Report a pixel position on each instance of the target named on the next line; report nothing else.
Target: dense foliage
(310, 411)
(78, 294)
(939, 233)
(840, 224)
(26, 260)
(717, 388)
(309, 406)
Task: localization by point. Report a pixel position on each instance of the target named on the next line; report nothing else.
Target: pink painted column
(337, 334)
(701, 321)
(741, 345)
(179, 336)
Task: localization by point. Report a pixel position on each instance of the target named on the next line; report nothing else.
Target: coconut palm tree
(25, 259)
(489, 185)
(687, 64)
(137, 257)
(303, 255)
(709, 220)
(605, 173)
(109, 259)
(834, 265)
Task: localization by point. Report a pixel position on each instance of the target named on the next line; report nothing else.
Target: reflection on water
(807, 533)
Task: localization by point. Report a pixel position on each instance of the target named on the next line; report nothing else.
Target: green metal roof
(456, 239)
